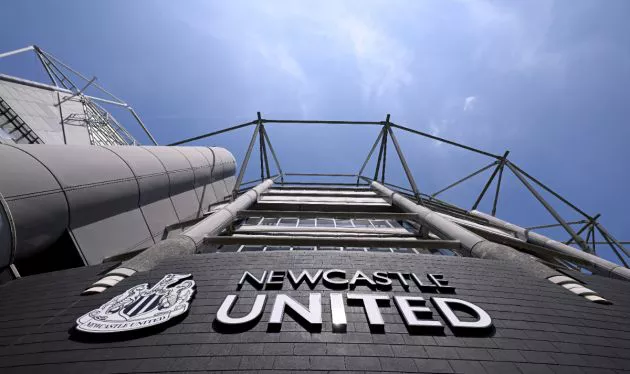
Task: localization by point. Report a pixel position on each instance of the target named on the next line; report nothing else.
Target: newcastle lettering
(414, 310)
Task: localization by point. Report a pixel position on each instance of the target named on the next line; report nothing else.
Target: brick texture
(539, 327)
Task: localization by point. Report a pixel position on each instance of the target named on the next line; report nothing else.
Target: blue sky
(546, 80)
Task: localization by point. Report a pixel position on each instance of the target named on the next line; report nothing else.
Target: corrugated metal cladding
(539, 327)
(113, 199)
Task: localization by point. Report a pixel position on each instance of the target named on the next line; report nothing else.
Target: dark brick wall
(540, 327)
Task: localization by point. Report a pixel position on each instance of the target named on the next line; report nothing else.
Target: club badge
(140, 306)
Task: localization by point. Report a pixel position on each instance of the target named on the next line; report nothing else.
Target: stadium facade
(119, 257)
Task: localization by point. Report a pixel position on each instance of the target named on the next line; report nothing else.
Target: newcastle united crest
(140, 306)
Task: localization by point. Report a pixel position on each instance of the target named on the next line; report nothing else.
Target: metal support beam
(97, 86)
(214, 133)
(78, 93)
(555, 225)
(261, 153)
(380, 155)
(367, 159)
(264, 147)
(17, 51)
(321, 214)
(554, 193)
(612, 246)
(593, 242)
(46, 68)
(63, 126)
(487, 185)
(445, 141)
(386, 127)
(273, 154)
(465, 179)
(607, 234)
(549, 208)
(496, 193)
(331, 241)
(471, 243)
(595, 264)
(323, 122)
(320, 175)
(144, 128)
(581, 230)
(248, 154)
(401, 156)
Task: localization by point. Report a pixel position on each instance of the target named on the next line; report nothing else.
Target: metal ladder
(14, 123)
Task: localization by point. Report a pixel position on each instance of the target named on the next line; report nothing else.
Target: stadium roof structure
(584, 236)
(77, 110)
(578, 251)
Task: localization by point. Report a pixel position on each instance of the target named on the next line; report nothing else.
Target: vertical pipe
(384, 157)
(63, 127)
(496, 193)
(248, 154)
(380, 156)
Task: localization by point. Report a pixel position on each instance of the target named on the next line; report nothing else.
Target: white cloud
(280, 30)
(382, 60)
(469, 103)
(513, 38)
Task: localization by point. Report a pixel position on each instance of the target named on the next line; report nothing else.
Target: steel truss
(103, 128)
(584, 237)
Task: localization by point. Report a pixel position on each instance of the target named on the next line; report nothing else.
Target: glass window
(303, 248)
(325, 222)
(252, 221)
(289, 222)
(251, 248)
(404, 250)
(443, 252)
(354, 249)
(228, 248)
(307, 222)
(272, 248)
(379, 249)
(395, 224)
(362, 223)
(269, 221)
(423, 251)
(379, 223)
(343, 223)
(446, 252)
(409, 227)
(328, 248)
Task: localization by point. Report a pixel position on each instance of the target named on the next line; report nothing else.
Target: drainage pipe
(594, 263)
(183, 244)
(472, 245)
